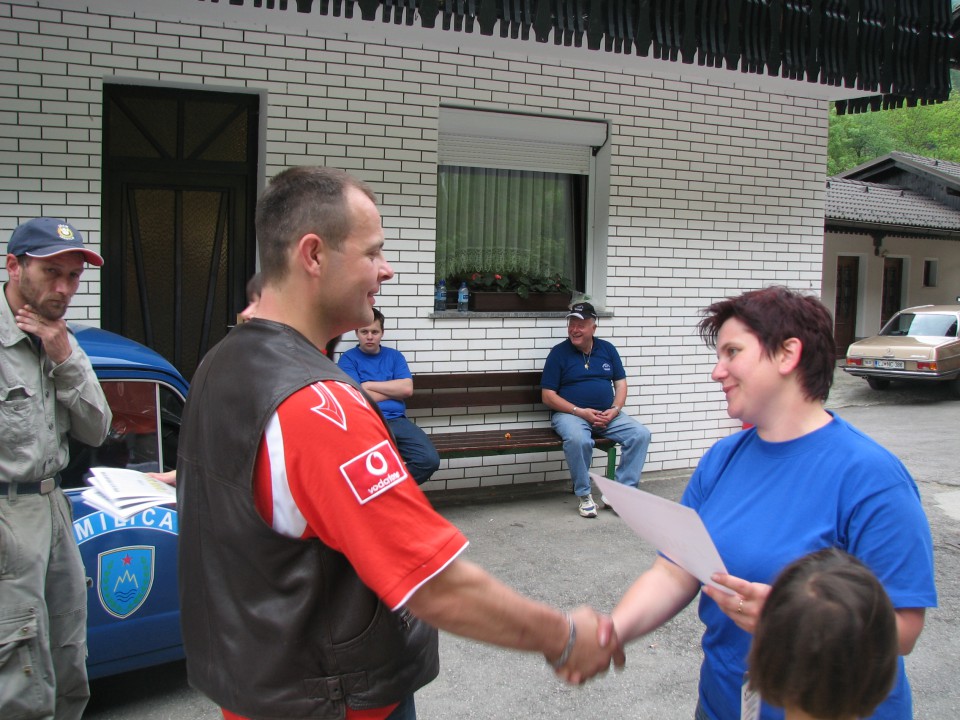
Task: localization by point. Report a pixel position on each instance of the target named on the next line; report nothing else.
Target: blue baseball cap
(45, 237)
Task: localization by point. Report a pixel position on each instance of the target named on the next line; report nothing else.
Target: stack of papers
(123, 493)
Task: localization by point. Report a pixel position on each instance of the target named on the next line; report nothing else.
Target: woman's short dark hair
(775, 314)
(826, 641)
(298, 201)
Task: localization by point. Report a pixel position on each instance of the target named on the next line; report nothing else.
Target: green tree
(857, 138)
(928, 130)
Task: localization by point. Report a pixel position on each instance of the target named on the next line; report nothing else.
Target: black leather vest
(274, 627)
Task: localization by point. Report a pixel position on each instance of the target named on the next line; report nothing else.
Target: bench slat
(467, 398)
(478, 440)
(520, 440)
(440, 381)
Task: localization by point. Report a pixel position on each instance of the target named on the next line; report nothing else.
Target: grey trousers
(43, 610)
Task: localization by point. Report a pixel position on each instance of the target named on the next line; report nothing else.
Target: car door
(132, 605)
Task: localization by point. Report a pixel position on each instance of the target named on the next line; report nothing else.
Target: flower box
(511, 302)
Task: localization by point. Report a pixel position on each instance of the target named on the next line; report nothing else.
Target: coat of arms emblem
(125, 577)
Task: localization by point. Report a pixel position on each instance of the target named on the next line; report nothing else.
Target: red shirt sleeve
(327, 468)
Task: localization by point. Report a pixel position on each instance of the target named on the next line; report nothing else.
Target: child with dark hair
(825, 647)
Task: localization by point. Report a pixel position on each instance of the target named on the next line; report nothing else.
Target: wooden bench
(468, 390)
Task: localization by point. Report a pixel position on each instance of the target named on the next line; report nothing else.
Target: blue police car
(131, 565)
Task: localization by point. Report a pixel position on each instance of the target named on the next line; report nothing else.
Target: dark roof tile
(858, 201)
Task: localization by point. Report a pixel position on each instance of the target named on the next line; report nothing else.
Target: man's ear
(13, 268)
(789, 355)
(310, 253)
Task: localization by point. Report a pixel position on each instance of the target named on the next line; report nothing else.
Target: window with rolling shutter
(514, 194)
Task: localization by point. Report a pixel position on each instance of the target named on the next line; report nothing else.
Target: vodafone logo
(373, 472)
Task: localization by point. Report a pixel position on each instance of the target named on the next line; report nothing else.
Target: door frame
(185, 167)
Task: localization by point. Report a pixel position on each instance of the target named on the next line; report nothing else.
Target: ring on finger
(740, 607)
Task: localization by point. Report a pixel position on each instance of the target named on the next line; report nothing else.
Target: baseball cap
(45, 237)
(582, 310)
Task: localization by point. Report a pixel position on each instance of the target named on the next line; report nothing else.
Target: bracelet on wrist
(574, 411)
(571, 640)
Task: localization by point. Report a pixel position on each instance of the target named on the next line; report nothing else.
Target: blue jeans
(418, 453)
(633, 438)
(406, 710)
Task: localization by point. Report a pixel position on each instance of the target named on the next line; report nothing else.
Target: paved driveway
(542, 547)
(538, 544)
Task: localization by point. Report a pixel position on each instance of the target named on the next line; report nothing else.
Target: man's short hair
(774, 315)
(826, 641)
(378, 317)
(298, 201)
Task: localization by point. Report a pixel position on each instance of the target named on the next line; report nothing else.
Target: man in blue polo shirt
(383, 373)
(585, 385)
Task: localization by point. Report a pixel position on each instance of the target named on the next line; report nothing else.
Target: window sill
(471, 314)
(454, 314)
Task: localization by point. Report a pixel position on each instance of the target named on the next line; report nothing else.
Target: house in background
(691, 146)
(891, 240)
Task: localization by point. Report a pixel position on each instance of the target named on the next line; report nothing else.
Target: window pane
(505, 221)
(171, 410)
(133, 441)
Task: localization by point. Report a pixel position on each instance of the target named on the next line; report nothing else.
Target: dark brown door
(892, 288)
(176, 266)
(845, 312)
(179, 192)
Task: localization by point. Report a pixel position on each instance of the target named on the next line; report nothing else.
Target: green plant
(522, 283)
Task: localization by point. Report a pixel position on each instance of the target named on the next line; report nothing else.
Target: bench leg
(611, 462)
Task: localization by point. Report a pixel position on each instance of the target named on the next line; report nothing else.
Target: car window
(916, 324)
(143, 435)
(171, 410)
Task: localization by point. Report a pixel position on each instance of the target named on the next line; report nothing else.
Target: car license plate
(890, 364)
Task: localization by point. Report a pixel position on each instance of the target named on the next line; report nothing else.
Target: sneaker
(605, 504)
(588, 508)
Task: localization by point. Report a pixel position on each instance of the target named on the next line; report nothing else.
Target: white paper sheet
(675, 530)
(118, 484)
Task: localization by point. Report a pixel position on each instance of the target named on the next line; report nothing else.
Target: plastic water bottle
(440, 296)
(463, 297)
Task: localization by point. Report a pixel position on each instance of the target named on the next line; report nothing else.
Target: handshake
(591, 645)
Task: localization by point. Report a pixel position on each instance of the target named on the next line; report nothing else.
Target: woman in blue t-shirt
(799, 480)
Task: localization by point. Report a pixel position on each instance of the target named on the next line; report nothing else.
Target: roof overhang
(612, 21)
(877, 169)
(886, 230)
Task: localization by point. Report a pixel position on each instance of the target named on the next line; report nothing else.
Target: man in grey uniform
(47, 391)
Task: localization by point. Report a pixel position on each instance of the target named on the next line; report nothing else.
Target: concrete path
(538, 544)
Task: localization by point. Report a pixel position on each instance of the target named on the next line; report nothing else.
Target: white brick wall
(713, 189)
